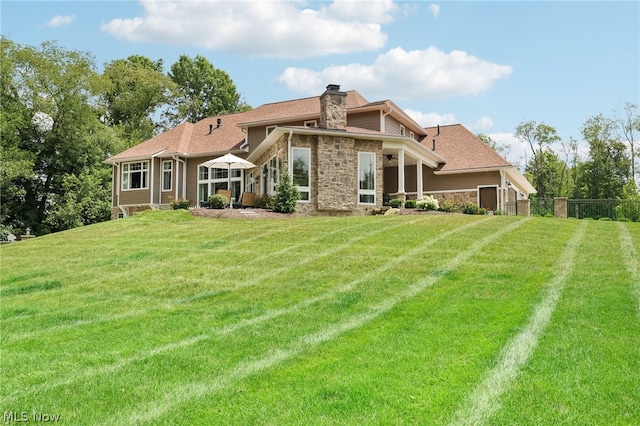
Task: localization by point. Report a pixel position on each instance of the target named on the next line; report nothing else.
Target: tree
(608, 168)
(552, 174)
(628, 122)
(51, 130)
(135, 91)
(287, 196)
(203, 90)
(501, 149)
(539, 137)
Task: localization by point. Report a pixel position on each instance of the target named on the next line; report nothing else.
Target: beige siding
(366, 120)
(391, 126)
(459, 182)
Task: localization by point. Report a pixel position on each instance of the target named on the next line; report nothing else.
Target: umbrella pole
(229, 186)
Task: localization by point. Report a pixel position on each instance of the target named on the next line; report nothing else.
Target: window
(402, 130)
(210, 180)
(135, 175)
(301, 177)
(366, 177)
(311, 123)
(167, 169)
(270, 129)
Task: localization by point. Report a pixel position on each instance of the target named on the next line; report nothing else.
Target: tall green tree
(51, 131)
(135, 93)
(608, 168)
(628, 122)
(539, 137)
(204, 90)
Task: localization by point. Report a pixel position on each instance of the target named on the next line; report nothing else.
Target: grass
(165, 318)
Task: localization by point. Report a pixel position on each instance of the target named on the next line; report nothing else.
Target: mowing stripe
(269, 315)
(484, 401)
(630, 256)
(151, 410)
(320, 254)
(255, 281)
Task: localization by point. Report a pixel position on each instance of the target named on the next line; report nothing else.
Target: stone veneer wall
(456, 197)
(337, 173)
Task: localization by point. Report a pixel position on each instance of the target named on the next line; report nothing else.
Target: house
(346, 156)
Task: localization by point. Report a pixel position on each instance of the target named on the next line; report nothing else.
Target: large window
(135, 175)
(366, 178)
(301, 178)
(210, 180)
(167, 172)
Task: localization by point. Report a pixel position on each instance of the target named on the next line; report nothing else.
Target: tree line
(60, 119)
(557, 168)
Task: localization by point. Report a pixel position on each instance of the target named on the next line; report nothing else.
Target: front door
(489, 198)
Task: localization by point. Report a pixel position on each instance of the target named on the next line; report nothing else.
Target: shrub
(179, 204)
(470, 208)
(262, 202)
(428, 203)
(410, 204)
(449, 206)
(287, 196)
(218, 201)
(396, 203)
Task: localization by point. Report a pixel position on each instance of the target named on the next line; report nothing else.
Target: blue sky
(487, 65)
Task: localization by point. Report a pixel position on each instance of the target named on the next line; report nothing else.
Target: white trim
(142, 170)
(269, 129)
(497, 187)
(302, 189)
(375, 172)
(170, 171)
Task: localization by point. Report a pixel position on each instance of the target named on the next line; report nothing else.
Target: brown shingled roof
(195, 139)
(462, 149)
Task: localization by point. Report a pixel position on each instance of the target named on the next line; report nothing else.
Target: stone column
(524, 207)
(560, 207)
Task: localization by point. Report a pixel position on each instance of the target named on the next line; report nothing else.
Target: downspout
(289, 148)
(503, 184)
(383, 127)
(152, 178)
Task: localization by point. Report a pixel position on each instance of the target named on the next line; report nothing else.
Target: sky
(487, 65)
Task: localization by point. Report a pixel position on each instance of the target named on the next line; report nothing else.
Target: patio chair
(247, 200)
(226, 193)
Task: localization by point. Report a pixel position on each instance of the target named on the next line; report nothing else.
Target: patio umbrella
(229, 161)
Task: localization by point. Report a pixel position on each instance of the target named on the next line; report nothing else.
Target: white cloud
(272, 28)
(435, 9)
(401, 74)
(483, 123)
(430, 119)
(60, 21)
(517, 151)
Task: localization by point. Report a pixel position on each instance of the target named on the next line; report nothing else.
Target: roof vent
(219, 122)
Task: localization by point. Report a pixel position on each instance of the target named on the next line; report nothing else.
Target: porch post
(401, 171)
(419, 177)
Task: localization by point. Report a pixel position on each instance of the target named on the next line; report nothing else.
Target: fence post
(523, 207)
(560, 207)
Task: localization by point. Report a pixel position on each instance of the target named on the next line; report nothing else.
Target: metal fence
(612, 209)
(542, 207)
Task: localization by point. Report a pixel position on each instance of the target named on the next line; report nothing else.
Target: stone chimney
(333, 108)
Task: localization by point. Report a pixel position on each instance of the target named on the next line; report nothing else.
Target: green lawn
(165, 318)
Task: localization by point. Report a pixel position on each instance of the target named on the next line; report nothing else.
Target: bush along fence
(626, 210)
